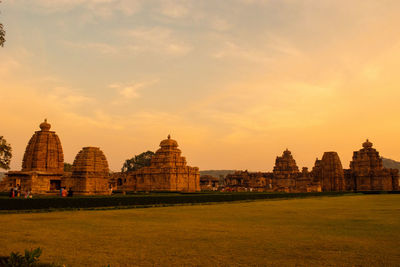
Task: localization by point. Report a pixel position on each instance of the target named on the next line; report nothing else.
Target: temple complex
(90, 173)
(42, 172)
(367, 171)
(168, 171)
(329, 172)
(42, 165)
(285, 177)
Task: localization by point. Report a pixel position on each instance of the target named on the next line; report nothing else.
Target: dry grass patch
(361, 230)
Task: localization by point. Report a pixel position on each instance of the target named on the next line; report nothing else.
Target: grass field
(357, 230)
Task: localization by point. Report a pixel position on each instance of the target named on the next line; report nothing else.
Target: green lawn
(356, 230)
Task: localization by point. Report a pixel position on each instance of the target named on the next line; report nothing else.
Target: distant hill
(216, 173)
(391, 164)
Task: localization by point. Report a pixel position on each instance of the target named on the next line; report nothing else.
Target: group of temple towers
(366, 173)
(43, 171)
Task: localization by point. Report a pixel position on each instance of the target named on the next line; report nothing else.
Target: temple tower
(44, 151)
(167, 172)
(329, 172)
(90, 173)
(285, 165)
(285, 172)
(367, 172)
(42, 165)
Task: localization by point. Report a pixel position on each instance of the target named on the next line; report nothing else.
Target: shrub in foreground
(29, 259)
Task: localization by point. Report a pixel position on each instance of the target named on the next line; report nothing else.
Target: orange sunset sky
(234, 82)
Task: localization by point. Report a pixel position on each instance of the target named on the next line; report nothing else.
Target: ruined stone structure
(367, 171)
(285, 177)
(305, 182)
(209, 183)
(43, 163)
(90, 173)
(329, 172)
(168, 171)
(249, 181)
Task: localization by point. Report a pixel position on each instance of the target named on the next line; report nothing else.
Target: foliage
(67, 167)
(138, 161)
(49, 203)
(5, 154)
(30, 258)
(2, 34)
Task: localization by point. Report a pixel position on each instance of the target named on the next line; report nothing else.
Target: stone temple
(168, 171)
(42, 165)
(285, 172)
(90, 173)
(329, 172)
(367, 171)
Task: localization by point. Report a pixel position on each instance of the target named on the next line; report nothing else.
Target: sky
(235, 82)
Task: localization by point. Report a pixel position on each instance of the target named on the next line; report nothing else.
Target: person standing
(12, 194)
(64, 192)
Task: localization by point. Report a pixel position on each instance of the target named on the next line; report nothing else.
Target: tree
(67, 167)
(138, 161)
(5, 154)
(2, 34)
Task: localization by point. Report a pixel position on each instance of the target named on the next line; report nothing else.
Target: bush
(47, 203)
(30, 258)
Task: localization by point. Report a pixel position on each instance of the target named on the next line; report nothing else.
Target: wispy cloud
(99, 8)
(128, 91)
(102, 48)
(234, 51)
(156, 40)
(174, 8)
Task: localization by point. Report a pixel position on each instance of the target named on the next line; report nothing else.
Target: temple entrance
(55, 185)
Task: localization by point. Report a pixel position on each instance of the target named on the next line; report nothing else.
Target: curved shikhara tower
(42, 165)
(90, 173)
(329, 172)
(44, 151)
